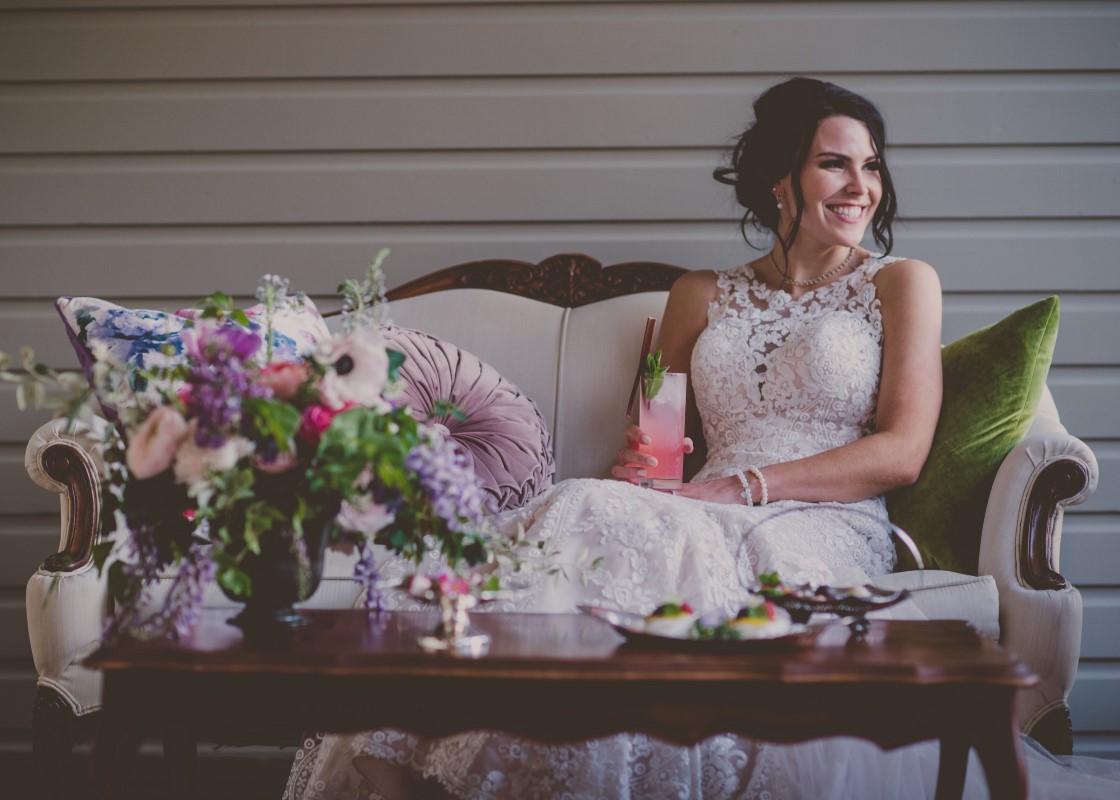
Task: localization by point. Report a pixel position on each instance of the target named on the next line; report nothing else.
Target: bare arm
(908, 407)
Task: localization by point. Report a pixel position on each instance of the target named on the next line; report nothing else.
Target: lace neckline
(764, 292)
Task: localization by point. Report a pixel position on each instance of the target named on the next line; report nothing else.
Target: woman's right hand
(631, 463)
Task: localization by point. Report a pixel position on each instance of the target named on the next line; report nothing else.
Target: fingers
(628, 456)
(625, 472)
(635, 436)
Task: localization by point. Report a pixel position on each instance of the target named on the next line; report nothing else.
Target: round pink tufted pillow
(503, 433)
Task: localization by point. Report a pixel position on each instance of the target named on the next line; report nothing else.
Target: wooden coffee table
(564, 678)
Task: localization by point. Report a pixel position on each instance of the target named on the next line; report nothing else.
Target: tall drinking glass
(661, 418)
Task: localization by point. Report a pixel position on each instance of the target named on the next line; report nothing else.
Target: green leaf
(101, 551)
(235, 581)
(230, 576)
(446, 408)
(120, 587)
(396, 359)
(654, 374)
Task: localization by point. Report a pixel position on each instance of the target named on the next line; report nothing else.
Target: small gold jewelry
(839, 268)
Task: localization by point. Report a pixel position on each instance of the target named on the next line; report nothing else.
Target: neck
(809, 264)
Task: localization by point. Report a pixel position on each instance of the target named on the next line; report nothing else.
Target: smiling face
(840, 183)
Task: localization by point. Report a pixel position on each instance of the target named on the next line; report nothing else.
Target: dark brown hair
(777, 144)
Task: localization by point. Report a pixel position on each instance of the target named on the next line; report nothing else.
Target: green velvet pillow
(993, 381)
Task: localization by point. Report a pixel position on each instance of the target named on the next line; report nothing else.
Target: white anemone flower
(358, 369)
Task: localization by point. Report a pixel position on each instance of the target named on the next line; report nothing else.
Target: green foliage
(654, 374)
(230, 576)
(272, 419)
(219, 307)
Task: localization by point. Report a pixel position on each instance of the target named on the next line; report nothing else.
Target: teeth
(848, 212)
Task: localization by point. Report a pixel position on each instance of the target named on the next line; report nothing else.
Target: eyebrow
(841, 156)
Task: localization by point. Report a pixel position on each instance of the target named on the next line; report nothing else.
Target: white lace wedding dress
(775, 379)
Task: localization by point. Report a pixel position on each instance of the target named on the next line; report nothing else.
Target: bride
(815, 376)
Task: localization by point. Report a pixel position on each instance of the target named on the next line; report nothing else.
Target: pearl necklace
(839, 268)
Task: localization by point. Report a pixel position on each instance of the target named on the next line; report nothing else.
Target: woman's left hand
(720, 490)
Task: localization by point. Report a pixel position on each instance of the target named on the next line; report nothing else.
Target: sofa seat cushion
(940, 594)
(495, 424)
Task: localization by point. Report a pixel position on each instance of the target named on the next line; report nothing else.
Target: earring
(778, 199)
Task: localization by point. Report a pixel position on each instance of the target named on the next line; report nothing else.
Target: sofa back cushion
(577, 364)
(602, 345)
(519, 337)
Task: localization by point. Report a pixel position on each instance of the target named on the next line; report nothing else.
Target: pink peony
(316, 419)
(358, 370)
(152, 445)
(452, 585)
(284, 379)
(195, 463)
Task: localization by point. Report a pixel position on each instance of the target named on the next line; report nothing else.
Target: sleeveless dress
(775, 379)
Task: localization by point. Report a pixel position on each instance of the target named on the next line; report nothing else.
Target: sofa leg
(1055, 731)
(55, 729)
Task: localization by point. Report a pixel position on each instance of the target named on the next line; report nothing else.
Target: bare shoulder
(686, 313)
(696, 285)
(907, 276)
(909, 293)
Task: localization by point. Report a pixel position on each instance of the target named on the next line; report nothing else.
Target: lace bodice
(778, 378)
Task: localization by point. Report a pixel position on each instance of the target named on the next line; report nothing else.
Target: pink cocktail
(662, 420)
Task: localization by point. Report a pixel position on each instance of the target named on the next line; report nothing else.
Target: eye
(873, 166)
(832, 163)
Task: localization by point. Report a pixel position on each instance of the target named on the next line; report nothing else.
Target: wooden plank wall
(154, 150)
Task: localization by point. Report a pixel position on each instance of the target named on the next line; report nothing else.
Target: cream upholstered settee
(567, 332)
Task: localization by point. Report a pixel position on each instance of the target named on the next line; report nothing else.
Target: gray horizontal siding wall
(152, 151)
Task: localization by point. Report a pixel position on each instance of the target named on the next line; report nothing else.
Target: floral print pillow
(147, 339)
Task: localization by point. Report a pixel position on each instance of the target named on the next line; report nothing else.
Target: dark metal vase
(287, 570)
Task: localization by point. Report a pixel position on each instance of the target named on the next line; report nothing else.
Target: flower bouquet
(229, 465)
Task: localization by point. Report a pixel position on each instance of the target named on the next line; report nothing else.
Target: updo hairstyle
(777, 144)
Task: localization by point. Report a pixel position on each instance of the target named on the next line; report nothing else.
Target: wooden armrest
(68, 462)
(1056, 484)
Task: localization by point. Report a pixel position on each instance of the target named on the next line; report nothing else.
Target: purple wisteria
(367, 576)
(447, 476)
(142, 567)
(218, 380)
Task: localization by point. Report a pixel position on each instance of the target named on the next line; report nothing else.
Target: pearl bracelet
(753, 470)
(746, 486)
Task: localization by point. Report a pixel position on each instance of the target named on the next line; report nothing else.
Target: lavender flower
(181, 607)
(364, 304)
(366, 575)
(447, 476)
(272, 292)
(220, 380)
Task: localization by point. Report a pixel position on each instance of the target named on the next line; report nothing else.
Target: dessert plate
(804, 601)
(632, 627)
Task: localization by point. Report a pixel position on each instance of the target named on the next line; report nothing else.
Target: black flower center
(344, 366)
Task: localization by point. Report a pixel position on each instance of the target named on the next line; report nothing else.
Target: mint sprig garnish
(654, 374)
